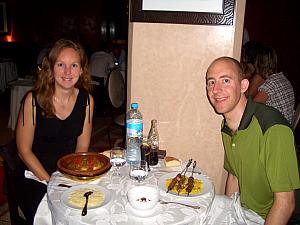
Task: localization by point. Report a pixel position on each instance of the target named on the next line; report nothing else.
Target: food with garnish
(191, 180)
(173, 182)
(196, 189)
(143, 197)
(181, 184)
(190, 185)
(77, 199)
(83, 165)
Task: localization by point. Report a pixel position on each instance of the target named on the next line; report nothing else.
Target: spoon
(179, 203)
(64, 185)
(86, 195)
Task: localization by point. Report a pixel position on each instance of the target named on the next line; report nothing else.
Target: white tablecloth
(18, 90)
(8, 72)
(115, 212)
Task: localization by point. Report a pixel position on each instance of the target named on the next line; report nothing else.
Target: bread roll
(172, 161)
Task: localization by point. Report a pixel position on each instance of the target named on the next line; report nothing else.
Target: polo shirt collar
(246, 118)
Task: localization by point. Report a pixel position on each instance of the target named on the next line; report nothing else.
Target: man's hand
(232, 185)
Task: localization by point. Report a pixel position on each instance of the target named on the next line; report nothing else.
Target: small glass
(145, 152)
(138, 170)
(117, 158)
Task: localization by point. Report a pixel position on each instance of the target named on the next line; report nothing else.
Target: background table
(18, 90)
(8, 72)
(115, 211)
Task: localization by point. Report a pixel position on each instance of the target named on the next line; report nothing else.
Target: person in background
(259, 146)
(246, 36)
(250, 51)
(41, 56)
(55, 119)
(276, 91)
(45, 44)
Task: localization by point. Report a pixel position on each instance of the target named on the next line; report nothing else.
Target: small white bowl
(143, 197)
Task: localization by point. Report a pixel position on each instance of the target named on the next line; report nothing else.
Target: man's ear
(244, 85)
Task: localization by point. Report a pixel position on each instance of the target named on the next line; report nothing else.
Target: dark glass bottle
(153, 140)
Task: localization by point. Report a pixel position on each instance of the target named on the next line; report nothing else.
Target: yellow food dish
(77, 199)
(197, 189)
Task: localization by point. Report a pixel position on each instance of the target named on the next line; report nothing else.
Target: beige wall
(166, 76)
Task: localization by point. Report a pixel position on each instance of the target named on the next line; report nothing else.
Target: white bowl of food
(143, 197)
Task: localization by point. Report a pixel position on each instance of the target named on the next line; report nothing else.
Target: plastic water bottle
(134, 134)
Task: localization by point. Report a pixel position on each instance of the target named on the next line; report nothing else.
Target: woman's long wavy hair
(44, 86)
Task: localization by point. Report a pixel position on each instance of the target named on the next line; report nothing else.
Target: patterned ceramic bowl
(83, 166)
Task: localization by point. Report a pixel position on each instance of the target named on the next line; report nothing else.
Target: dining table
(18, 89)
(8, 72)
(53, 209)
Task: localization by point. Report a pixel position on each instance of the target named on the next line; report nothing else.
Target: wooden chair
(11, 162)
(296, 117)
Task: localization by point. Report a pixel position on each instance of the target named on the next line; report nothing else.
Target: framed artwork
(3, 18)
(212, 12)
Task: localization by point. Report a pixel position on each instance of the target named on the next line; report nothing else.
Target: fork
(179, 203)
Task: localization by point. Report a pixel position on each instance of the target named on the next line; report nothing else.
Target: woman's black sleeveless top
(54, 137)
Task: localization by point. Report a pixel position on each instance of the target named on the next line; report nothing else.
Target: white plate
(143, 213)
(66, 193)
(207, 185)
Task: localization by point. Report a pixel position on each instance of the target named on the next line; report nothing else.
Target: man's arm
(282, 209)
(232, 185)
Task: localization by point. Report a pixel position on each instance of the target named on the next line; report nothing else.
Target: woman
(55, 119)
(276, 91)
(250, 52)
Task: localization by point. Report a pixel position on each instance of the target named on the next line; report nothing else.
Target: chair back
(116, 91)
(11, 162)
(116, 88)
(296, 117)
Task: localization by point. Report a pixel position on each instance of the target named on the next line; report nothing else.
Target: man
(259, 145)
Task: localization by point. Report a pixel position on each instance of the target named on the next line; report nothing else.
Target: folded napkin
(29, 175)
(228, 211)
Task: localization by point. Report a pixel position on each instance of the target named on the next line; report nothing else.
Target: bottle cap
(134, 105)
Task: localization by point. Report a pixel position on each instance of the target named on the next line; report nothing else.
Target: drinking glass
(145, 151)
(138, 170)
(117, 158)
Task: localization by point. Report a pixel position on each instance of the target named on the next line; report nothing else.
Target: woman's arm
(282, 209)
(261, 97)
(24, 139)
(83, 141)
(232, 185)
(255, 82)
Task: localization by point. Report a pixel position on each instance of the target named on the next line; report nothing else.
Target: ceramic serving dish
(83, 166)
(143, 197)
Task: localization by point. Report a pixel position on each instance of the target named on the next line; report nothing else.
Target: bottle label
(134, 128)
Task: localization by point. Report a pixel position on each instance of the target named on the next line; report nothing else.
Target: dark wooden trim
(3, 19)
(225, 18)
